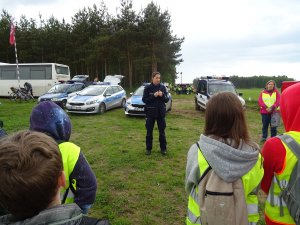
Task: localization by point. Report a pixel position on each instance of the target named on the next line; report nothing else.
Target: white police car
(136, 107)
(207, 86)
(97, 98)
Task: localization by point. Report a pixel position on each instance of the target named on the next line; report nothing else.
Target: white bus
(42, 76)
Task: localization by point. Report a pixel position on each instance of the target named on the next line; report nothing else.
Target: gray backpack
(221, 202)
(291, 194)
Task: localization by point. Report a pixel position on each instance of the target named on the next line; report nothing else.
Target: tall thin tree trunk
(154, 61)
(129, 68)
(105, 67)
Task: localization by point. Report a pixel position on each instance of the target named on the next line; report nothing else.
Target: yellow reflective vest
(70, 154)
(269, 100)
(251, 182)
(272, 204)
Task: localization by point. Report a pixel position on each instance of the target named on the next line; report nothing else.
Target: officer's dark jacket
(155, 106)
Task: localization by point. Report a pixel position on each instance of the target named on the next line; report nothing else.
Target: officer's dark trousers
(161, 123)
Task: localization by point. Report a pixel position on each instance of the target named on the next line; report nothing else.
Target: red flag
(12, 34)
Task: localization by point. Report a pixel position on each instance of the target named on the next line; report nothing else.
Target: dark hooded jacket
(155, 106)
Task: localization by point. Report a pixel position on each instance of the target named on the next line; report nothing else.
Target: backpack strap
(295, 148)
(291, 143)
(208, 168)
(63, 201)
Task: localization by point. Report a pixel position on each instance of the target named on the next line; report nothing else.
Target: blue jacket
(155, 106)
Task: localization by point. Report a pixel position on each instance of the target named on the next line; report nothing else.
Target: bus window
(25, 72)
(62, 70)
(8, 74)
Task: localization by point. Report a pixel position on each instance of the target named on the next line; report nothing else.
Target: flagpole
(17, 62)
(13, 37)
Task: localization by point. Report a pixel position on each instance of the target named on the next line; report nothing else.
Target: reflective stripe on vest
(272, 204)
(193, 206)
(70, 154)
(251, 182)
(275, 201)
(269, 100)
(252, 208)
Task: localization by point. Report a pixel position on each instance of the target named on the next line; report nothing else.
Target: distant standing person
(96, 80)
(268, 101)
(28, 87)
(155, 96)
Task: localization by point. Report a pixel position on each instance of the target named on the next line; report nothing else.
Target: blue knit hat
(49, 118)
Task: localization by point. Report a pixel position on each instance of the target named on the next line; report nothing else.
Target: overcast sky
(222, 37)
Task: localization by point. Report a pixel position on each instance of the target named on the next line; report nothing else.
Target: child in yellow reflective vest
(49, 118)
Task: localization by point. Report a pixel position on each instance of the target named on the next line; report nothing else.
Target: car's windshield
(139, 91)
(93, 90)
(221, 87)
(59, 88)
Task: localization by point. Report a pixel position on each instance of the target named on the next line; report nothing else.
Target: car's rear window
(59, 88)
(93, 90)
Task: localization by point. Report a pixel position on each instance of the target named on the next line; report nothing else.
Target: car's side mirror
(107, 95)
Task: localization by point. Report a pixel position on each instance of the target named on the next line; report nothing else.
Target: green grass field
(250, 95)
(134, 188)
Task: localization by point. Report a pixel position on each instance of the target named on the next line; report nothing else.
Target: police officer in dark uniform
(155, 96)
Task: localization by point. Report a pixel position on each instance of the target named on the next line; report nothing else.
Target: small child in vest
(224, 168)
(81, 184)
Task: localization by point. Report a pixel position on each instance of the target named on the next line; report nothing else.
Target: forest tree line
(253, 82)
(257, 81)
(96, 43)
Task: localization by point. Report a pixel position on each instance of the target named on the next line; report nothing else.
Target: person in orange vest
(268, 101)
(279, 159)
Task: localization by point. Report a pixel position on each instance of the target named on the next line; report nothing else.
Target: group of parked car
(82, 96)
(78, 96)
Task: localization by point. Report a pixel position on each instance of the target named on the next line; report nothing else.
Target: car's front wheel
(64, 103)
(197, 107)
(123, 103)
(102, 108)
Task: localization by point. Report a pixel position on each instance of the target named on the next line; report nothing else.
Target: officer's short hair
(30, 167)
(155, 73)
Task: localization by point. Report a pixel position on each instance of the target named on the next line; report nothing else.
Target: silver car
(97, 98)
